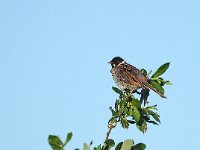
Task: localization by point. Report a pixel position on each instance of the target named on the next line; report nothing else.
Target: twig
(109, 131)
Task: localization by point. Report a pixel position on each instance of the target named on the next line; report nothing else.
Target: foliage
(128, 110)
(56, 143)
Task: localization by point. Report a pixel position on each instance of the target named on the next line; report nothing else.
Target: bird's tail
(147, 85)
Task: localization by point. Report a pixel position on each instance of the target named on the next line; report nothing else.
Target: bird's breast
(121, 79)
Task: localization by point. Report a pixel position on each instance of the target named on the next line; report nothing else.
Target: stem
(109, 131)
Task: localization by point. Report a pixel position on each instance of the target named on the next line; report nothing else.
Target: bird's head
(116, 61)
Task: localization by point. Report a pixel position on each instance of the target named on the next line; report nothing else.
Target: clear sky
(54, 76)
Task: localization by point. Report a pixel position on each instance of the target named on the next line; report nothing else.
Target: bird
(129, 77)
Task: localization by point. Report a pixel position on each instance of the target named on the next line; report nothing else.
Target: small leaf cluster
(126, 145)
(56, 143)
(157, 81)
(129, 110)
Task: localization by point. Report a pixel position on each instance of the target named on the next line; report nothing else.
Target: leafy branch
(127, 110)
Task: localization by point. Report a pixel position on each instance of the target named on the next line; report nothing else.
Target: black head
(116, 61)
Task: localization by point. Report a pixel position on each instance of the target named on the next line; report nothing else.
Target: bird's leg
(144, 96)
(135, 91)
(145, 102)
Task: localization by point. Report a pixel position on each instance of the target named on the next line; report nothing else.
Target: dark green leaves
(118, 91)
(156, 81)
(150, 113)
(158, 87)
(128, 111)
(168, 83)
(126, 145)
(154, 115)
(69, 136)
(129, 145)
(136, 114)
(142, 125)
(56, 143)
(108, 144)
(124, 122)
(136, 103)
(161, 70)
(139, 146)
(98, 147)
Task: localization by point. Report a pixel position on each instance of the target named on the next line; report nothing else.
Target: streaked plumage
(129, 77)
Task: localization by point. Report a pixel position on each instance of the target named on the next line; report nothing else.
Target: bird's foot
(135, 91)
(145, 102)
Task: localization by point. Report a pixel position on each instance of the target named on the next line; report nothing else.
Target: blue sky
(54, 76)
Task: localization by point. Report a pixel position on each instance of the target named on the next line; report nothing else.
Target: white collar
(122, 62)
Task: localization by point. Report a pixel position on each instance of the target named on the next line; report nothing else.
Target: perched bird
(129, 77)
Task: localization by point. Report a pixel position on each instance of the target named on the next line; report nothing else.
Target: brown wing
(136, 74)
(140, 77)
(129, 75)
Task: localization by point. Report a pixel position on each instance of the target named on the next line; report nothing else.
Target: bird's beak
(109, 62)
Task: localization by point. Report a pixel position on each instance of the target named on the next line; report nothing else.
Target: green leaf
(118, 147)
(124, 122)
(161, 70)
(168, 83)
(127, 144)
(86, 147)
(118, 91)
(55, 142)
(114, 113)
(154, 115)
(158, 87)
(69, 136)
(122, 107)
(151, 107)
(139, 146)
(131, 121)
(142, 125)
(136, 114)
(98, 147)
(109, 144)
(116, 106)
(136, 103)
(91, 143)
(153, 122)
